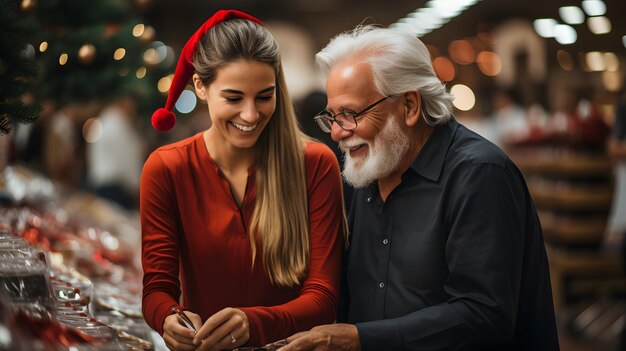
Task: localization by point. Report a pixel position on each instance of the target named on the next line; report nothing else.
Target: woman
(249, 210)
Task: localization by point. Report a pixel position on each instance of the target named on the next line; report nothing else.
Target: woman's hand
(177, 337)
(227, 329)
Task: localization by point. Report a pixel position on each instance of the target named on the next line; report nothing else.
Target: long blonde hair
(280, 218)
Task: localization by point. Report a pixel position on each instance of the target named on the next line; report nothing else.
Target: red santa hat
(164, 119)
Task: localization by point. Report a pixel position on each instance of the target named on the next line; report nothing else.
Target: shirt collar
(429, 161)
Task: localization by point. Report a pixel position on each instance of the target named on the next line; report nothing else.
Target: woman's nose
(250, 113)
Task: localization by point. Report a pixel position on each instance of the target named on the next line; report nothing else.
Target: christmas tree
(96, 50)
(17, 67)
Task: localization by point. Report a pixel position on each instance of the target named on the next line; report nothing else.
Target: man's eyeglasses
(345, 119)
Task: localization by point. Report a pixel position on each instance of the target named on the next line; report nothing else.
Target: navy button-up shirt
(454, 259)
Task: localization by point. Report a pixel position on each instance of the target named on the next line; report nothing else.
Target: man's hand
(340, 337)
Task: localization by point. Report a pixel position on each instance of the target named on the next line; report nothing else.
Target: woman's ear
(413, 107)
(199, 87)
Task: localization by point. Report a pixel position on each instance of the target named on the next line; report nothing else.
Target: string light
(63, 59)
(164, 84)
(119, 54)
(138, 30)
(141, 72)
(43, 46)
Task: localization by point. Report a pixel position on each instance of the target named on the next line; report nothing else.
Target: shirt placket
(382, 243)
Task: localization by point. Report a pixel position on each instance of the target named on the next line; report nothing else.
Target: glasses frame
(325, 115)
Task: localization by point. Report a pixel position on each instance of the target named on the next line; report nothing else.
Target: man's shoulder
(469, 147)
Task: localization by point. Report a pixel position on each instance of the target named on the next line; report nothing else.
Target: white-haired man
(446, 249)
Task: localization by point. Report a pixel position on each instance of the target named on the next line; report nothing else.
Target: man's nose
(337, 133)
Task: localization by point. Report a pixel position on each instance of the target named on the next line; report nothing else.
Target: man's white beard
(383, 157)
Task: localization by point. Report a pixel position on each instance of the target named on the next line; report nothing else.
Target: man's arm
(485, 226)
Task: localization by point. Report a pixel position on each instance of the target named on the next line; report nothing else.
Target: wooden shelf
(573, 191)
(560, 162)
(576, 267)
(567, 230)
(567, 196)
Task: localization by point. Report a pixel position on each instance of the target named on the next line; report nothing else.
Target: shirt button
(385, 241)
(381, 285)
(370, 199)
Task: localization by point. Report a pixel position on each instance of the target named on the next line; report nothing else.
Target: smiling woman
(250, 203)
(241, 101)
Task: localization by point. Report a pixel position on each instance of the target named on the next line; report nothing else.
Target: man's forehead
(350, 78)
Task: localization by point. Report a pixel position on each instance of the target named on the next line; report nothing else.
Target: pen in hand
(182, 317)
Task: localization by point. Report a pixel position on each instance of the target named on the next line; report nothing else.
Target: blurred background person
(114, 158)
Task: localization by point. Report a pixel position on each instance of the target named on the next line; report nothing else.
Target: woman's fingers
(177, 336)
(219, 328)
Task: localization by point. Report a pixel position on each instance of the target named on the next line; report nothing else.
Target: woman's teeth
(243, 128)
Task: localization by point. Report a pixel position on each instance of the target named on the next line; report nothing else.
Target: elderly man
(446, 249)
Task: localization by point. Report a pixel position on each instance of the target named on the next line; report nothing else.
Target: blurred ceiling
(325, 18)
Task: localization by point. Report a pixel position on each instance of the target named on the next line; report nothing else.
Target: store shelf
(583, 273)
(573, 189)
(565, 230)
(568, 196)
(557, 161)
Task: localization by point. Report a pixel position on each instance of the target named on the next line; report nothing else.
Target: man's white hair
(400, 62)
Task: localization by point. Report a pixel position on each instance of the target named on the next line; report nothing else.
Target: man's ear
(199, 87)
(413, 107)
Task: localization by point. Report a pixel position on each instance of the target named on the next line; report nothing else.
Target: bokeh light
(489, 63)
(186, 102)
(461, 52)
(464, 98)
(92, 130)
(565, 60)
(444, 68)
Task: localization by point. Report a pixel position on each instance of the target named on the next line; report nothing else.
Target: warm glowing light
(599, 25)
(489, 63)
(119, 54)
(138, 30)
(141, 72)
(92, 130)
(148, 34)
(444, 68)
(462, 52)
(164, 84)
(63, 59)
(565, 60)
(464, 98)
(43, 46)
(572, 14)
(611, 62)
(612, 81)
(595, 61)
(545, 27)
